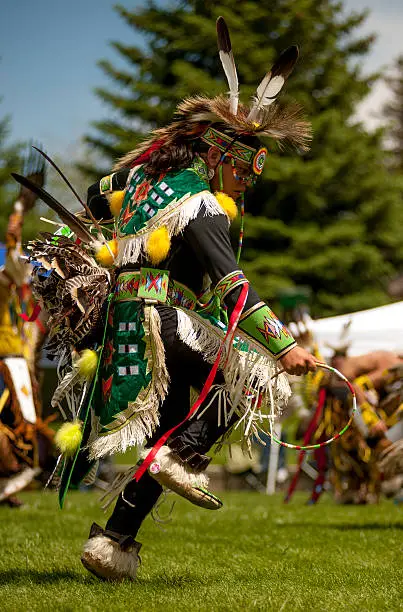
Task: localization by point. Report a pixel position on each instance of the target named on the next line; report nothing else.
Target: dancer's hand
(298, 361)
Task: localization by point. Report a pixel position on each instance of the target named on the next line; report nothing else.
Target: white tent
(375, 329)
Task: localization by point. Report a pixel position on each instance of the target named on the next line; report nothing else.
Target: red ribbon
(307, 438)
(233, 322)
(34, 315)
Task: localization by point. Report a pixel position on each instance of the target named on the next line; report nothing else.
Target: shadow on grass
(13, 576)
(20, 576)
(344, 526)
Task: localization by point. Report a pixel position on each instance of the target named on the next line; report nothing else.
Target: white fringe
(175, 217)
(72, 388)
(199, 334)
(158, 352)
(248, 374)
(133, 433)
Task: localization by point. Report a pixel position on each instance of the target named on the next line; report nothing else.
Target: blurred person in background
(25, 439)
(378, 380)
(367, 460)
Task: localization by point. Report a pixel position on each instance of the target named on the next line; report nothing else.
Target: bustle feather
(73, 294)
(273, 82)
(228, 63)
(70, 186)
(66, 216)
(34, 169)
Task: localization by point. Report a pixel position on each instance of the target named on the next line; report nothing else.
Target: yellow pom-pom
(227, 204)
(87, 363)
(158, 245)
(115, 200)
(68, 437)
(106, 253)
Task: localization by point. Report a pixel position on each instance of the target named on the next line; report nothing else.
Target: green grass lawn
(253, 554)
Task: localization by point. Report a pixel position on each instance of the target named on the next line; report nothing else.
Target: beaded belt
(153, 285)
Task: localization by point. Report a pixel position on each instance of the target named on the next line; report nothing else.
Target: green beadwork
(146, 197)
(200, 167)
(228, 283)
(263, 326)
(229, 144)
(105, 184)
(153, 284)
(115, 387)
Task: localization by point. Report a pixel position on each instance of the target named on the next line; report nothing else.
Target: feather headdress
(263, 118)
(228, 63)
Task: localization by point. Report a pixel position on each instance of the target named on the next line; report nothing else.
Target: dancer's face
(236, 175)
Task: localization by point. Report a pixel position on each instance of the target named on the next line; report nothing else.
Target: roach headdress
(224, 122)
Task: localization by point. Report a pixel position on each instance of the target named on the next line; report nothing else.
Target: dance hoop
(336, 436)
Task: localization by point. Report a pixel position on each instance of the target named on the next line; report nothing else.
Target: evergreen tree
(328, 219)
(393, 112)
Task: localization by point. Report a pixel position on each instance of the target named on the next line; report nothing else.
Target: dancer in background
(367, 460)
(25, 440)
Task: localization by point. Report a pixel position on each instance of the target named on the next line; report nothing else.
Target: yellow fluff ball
(115, 200)
(106, 253)
(158, 245)
(68, 437)
(87, 363)
(227, 204)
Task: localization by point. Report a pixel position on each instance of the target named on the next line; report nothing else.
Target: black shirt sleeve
(208, 236)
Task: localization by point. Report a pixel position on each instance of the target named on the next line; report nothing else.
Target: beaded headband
(237, 149)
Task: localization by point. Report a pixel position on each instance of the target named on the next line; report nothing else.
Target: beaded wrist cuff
(261, 324)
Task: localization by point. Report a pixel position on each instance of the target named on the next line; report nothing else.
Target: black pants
(186, 369)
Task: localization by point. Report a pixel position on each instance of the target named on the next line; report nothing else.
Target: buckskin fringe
(175, 217)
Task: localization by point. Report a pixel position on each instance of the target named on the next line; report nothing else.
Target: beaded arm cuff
(261, 324)
(229, 283)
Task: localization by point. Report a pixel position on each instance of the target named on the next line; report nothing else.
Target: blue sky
(49, 50)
